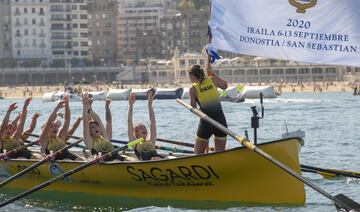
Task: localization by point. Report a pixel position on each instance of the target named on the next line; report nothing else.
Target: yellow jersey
(102, 145)
(10, 144)
(207, 95)
(55, 144)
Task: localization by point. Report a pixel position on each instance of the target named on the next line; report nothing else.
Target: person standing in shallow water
(204, 92)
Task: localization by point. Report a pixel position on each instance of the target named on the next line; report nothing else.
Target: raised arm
(151, 94)
(86, 119)
(132, 99)
(65, 128)
(5, 121)
(108, 118)
(73, 128)
(44, 139)
(26, 134)
(20, 128)
(16, 120)
(219, 82)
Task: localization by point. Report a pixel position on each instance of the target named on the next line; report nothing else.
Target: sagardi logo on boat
(302, 5)
(194, 175)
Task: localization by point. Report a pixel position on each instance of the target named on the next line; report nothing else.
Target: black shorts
(24, 153)
(114, 157)
(64, 155)
(206, 130)
(144, 156)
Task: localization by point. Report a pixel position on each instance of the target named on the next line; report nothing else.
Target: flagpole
(208, 68)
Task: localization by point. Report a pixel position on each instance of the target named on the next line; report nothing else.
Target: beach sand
(38, 91)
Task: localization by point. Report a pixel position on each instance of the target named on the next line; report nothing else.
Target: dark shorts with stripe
(25, 153)
(114, 157)
(206, 130)
(64, 155)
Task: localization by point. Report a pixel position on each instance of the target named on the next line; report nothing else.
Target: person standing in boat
(11, 134)
(51, 139)
(146, 150)
(96, 136)
(204, 92)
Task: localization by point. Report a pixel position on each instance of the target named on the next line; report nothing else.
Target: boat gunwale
(189, 156)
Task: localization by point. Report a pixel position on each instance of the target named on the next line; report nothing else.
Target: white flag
(313, 31)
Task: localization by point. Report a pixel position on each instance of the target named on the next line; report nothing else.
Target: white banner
(313, 31)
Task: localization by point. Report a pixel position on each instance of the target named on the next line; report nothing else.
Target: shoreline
(11, 92)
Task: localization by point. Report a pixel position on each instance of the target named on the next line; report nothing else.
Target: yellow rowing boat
(234, 176)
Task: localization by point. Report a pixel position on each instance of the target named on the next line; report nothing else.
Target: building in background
(30, 30)
(138, 30)
(80, 29)
(102, 19)
(69, 30)
(185, 30)
(352, 74)
(5, 30)
(236, 70)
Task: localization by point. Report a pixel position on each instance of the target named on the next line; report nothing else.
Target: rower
(96, 137)
(204, 92)
(31, 128)
(146, 150)
(53, 140)
(11, 135)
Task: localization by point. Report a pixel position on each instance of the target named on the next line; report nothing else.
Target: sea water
(331, 122)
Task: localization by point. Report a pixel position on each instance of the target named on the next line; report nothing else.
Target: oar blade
(330, 173)
(344, 202)
(327, 175)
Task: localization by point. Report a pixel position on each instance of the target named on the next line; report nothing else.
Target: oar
(14, 151)
(165, 148)
(340, 200)
(325, 175)
(125, 142)
(180, 143)
(74, 137)
(330, 173)
(71, 172)
(39, 163)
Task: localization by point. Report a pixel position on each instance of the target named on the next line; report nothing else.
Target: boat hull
(168, 93)
(253, 92)
(234, 176)
(122, 94)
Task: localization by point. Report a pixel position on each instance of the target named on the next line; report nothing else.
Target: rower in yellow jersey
(146, 150)
(204, 92)
(52, 138)
(96, 136)
(11, 134)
